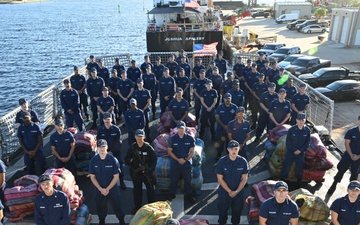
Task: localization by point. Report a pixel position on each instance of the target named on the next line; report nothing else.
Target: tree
(320, 12)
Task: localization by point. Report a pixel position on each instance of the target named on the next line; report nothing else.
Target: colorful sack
(162, 183)
(278, 131)
(26, 180)
(312, 208)
(156, 213)
(166, 119)
(270, 148)
(254, 208)
(194, 222)
(161, 144)
(196, 183)
(72, 130)
(263, 190)
(315, 175)
(162, 168)
(19, 192)
(190, 120)
(63, 180)
(86, 140)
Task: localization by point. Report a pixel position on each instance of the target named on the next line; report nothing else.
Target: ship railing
(187, 27)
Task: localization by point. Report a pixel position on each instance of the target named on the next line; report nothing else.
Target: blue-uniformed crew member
(118, 66)
(297, 143)
(247, 68)
(208, 98)
(24, 108)
(265, 101)
(260, 62)
(112, 134)
(78, 82)
(171, 65)
(265, 70)
(134, 72)
(238, 68)
(94, 87)
(250, 79)
(346, 209)
(217, 80)
(166, 90)
(31, 142)
(158, 70)
(106, 104)
(62, 147)
(280, 209)
(281, 79)
(279, 110)
(227, 84)
(185, 66)
(2, 188)
(290, 88)
(196, 70)
(142, 159)
(300, 103)
(113, 81)
(198, 86)
(143, 99)
(232, 174)
(104, 174)
(221, 63)
(273, 72)
(125, 88)
(239, 130)
(178, 108)
(183, 82)
(209, 71)
(91, 65)
(237, 95)
(181, 150)
(181, 55)
(350, 158)
(103, 72)
(145, 64)
(70, 102)
(51, 206)
(257, 90)
(225, 112)
(134, 119)
(150, 83)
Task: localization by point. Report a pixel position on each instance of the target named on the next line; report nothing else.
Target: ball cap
(139, 80)
(66, 81)
(59, 122)
(358, 117)
(139, 133)
(281, 69)
(229, 74)
(106, 115)
(272, 85)
(249, 60)
(253, 64)
(22, 101)
(282, 90)
(179, 89)
(26, 114)
(44, 178)
(227, 95)
(181, 124)
(302, 85)
(157, 58)
(172, 222)
(240, 109)
(101, 143)
(236, 81)
(233, 144)
(208, 81)
(91, 56)
(93, 70)
(281, 184)
(202, 71)
(354, 185)
(105, 88)
(133, 101)
(301, 116)
(261, 75)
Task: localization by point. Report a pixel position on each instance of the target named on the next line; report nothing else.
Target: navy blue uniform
(166, 88)
(209, 72)
(265, 71)
(197, 69)
(113, 81)
(104, 74)
(279, 110)
(105, 104)
(172, 67)
(263, 121)
(221, 64)
(62, 143)
(250, 78)
(348, 213)
(278, 214)
(142, 98)
(209, 97)
(181, 149)
(238, 69)
(232, 172)
(226, 86)
(119, 69)
(183, 82)
(178, 109)
(186, 67)
(151, 85)
(19, 116)
(104, 171)
(54, 209)
(91, 65)
(260, 64)
(124, 87)
(237, 97)
(78, 82)
(290, 91)
(94, 89)
(259, 89)
(134, 120)
(217, 81)
(299, 101)
(158, 71)
(144, 66)
(133, 74)
(239, 132)
(178, 59)
(296, 139)
(70, 101)
(198, 85)
(30, 136)
(272, 73)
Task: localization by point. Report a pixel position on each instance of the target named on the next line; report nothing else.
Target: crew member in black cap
(238, 71)
(24, 105)
(78, 82)
(142, 161)
(158, 69)
(221, 63)
(134, 119)
(92, 64)
(211, 66)
(103, 72)
(166, 90)
(227, 84)
(246, 69)
(273, 72)
(183, 82)
(171, 65)
(133, 72)
(250, 79)
(185, 66)
(145, 64)
(94, 87)
(181, 55)
(232, 174)
(279, 110)
(106, 104)
(51, 206)
(208, 98)
(196, 70)
(198, 86)
(113, 81)
(125, 89)
(297, 143)
(237, 95)
(70, 102)
(280, 209)
(260, 62)
(300, 103)
(118, 67)
(290, 88)
(257, 90)
(217, 80)
(265, 70)
(178, 108)
(281, 79)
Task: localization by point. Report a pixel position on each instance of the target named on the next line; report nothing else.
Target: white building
(345, 26)
(303, 9)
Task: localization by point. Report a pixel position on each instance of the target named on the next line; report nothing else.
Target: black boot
(102, 222)
(121, 221)
(332, 188)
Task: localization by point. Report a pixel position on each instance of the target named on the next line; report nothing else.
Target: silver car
(314, 29)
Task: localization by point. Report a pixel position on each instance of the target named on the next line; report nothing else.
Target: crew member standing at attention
(297, 143)
(142, 159)
(149, 83)
(208, 98)
(196, 70)
(232, 174)
(181, 150)
(273, 72)
(62, 147)
(133, 72)
(178, 108)
(183, 82)
(227, 84)
(166, 90)
(257, 90)
(280, 209)
(251, 78)
(181, 55)
(247, 68)
(265, 70)
(239, 130)
(112, 134)
(225, 112)
(113, 81)
(118, 67)
(185, 66)
(78, 82)
(281, 79)
(172, 65)
(209, 72)
(24, 108)
(221, 63)
(104, 174)
(217, 80)
(279, 110)
(106, 104)
(346, 209)
(91, 65)
(198, 86)
(238, 72)
(70, 102)
(145, 64)
(260, 62)
(31, 142)
(134, 119)
(237, 95)
(125, 88)
(290, 89)
(158, 71)
(51, 206)
(103, 72)
(94, 87)
(300, 103)
(350, 158)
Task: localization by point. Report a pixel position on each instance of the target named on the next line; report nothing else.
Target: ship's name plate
(186, 39)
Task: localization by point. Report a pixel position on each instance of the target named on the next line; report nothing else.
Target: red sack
(19, 192)
(190, 120)
(85, 140)
(278, 131)
(63, 180)
(161, 143)
(263, 190)
(26, 180)
(315, 175)
(72, 130)
(194, 222)
(166, 119)
(254, 208)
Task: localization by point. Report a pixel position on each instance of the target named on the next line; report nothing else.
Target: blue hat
(208, 81)
(261, 75)
(157, 58)
(114, 71)
(266, 61)
(236, 81)
(233, 144)
(76, 68)
(139, 133)
(301, 116)
(26, 114)
(240, 109)
(166, 68)
(181, 124)
(133, 101)
(354, 185)
(172, 222)
(94, 70)
(281, 69)
(272, 85)
(249, 60)
(261, 54)
(101, 143)
(215, 68)
(117, 59)
(229, 74)
(282, 90)
(66, 81)
(106, 115)
(105, 88)
(202, 71)
(254, 64)
(139, 80)
(179, 89)
(181, 69)
(91, 56)
(22, 101)
(227, 95)
(302, 85)
(359, 118)
(44, 178)
(212, 62)
(59, 122)
(281, 184)
(133, 61)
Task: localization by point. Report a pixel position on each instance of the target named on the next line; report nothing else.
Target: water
(41, 42)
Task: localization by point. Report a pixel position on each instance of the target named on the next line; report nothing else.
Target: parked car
(289, 60)
(307, 64)
(314, 29)
(270, 48)
(341, 90)
(287, 17)
(283, 52)
(299, 26)
(291, 26)
(264, 14)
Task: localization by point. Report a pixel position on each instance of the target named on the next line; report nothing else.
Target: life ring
(217, 26)
(151, 27)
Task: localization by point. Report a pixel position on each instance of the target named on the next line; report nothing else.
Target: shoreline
(20, 1)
